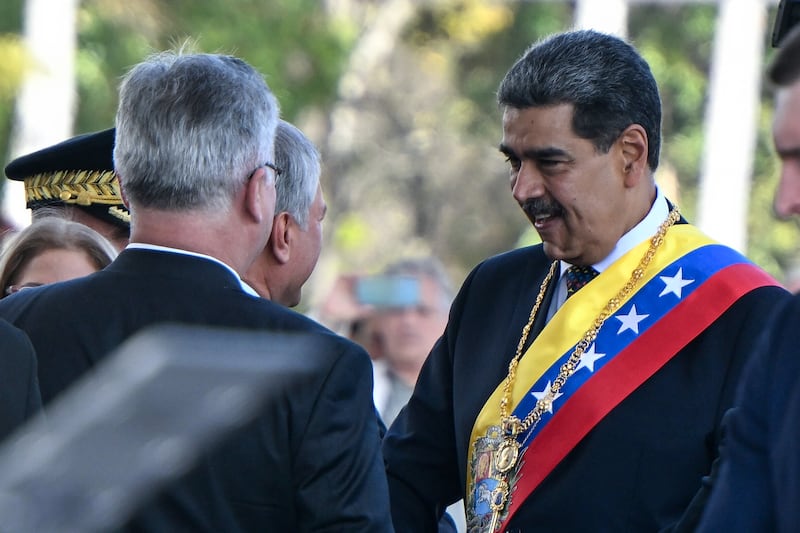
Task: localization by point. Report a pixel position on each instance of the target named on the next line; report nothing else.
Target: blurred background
(399, 97)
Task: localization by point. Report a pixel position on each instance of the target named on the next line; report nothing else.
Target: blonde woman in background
(51, 249)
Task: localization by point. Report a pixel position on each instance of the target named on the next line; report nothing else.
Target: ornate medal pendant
(507, 454)
(493, 461)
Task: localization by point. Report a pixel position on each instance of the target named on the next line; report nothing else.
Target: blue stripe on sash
(698, 265)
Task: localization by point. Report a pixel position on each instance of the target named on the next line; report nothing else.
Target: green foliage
(12, 69)
(677, 45)
(423, 172)
(299, 49)
(481, 63)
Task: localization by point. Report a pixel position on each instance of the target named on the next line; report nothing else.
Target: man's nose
(528, 183)
(787, 195)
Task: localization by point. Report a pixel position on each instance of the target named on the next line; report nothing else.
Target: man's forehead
(537, 125)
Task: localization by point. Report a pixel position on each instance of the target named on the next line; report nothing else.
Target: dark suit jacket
(637, 470)
(311, 462)
(757, 487)
(19, 385)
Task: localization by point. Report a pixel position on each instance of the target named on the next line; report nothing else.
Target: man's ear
(633, 146)
(280, 240)
(122, 193)
(254, 192)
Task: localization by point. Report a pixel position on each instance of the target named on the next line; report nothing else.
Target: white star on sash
(630, 321)
(675, 284)
(548, 396)
(588, 358)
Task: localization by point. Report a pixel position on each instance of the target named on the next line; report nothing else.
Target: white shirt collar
(144, 246)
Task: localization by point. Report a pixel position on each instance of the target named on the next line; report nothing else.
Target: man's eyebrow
(534, 153)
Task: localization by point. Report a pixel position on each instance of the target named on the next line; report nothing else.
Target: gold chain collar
(511, 424)
(508, 451)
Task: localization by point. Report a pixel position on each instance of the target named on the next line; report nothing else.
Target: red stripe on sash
(628, 370)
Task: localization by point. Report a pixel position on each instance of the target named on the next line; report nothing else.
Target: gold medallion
(507, 455)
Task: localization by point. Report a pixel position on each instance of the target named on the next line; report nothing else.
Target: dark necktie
(577, 277)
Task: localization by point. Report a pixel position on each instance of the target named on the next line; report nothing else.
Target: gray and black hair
(785, 67)
(191, 129)
(299, 161)
(605, 79)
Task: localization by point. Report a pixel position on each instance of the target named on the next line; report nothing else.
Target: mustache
(536, 207)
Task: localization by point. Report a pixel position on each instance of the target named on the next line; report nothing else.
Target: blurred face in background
(786, 136)
(51, 266)
(407, 334)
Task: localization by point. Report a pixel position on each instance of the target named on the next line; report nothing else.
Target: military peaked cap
(78, 172)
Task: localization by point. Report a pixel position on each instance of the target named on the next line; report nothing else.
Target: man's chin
(553, 252)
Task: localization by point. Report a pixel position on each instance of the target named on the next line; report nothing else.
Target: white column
(731, 121)
(608, 16)
(46, 102)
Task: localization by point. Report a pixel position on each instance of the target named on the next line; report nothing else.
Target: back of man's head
(299, 161)
(191, 129)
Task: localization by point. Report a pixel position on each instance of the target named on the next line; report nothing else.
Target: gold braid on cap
(81, 187)
(120, 213)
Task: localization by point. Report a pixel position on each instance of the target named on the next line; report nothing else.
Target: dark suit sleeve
(340, 476)
(741, 490)
(19, 386)
(419, 454)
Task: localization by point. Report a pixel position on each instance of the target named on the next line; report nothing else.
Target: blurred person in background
(76, 178)
(49, 250)
(757, 484)
(282, 268)
(397, 316)
(410, 300)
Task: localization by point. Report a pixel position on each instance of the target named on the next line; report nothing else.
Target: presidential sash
(689, 283)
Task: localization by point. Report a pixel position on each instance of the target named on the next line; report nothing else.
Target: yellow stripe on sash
(574, 318)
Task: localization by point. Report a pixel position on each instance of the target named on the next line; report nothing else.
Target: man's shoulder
(518, 260)
(276, 316)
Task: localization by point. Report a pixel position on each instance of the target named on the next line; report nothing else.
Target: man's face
(786, 135)
(308, 244)
(406, 335)
(571, 193)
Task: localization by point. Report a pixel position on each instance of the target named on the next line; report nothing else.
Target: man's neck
(192, 232)
(256, 277)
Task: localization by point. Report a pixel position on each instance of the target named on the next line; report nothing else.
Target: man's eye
(513, 161)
